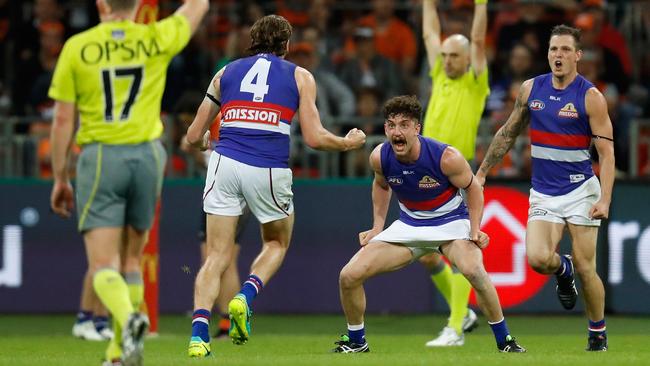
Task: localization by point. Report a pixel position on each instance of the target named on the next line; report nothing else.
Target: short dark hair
(405, 105)
(121, 5)
(270, 34)
(565, 30)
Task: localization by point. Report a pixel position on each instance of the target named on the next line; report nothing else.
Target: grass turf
(306, 340)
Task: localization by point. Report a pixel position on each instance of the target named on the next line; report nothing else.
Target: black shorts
(241, 225)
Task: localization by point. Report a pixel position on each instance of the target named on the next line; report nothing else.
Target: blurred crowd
(360, 52)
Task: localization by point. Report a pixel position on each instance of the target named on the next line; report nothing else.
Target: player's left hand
(205, 142)
(481, 239)
(600, 210)
(365, 236)
(62, 198)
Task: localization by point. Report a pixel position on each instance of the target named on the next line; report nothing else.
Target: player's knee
(584, 269)
(351, 276)
(541, 263)
(472, 271)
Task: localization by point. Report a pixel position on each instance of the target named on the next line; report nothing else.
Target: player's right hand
(62, 198)
(355, 138)
(364, 237)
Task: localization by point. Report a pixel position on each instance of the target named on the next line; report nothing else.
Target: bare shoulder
(594, 96)
(526, 87)
(452, 161)
(303, 76)
(375, 158)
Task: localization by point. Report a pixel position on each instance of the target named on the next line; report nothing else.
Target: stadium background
(332, 191)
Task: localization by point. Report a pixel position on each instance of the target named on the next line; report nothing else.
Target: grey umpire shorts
(118, 185)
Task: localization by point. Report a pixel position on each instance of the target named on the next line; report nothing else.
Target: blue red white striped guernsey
(560, 135)
(259, 97)
(425, 195)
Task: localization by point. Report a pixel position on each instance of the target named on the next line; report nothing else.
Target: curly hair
(270, 34)
(405, 105)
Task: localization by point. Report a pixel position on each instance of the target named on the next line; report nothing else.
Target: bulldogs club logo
(568, 111)
(504, 220)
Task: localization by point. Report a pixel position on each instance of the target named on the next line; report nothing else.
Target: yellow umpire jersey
(455, 108)
(115, 75)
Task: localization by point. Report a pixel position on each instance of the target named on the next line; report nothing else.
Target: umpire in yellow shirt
(460, 87)
(113, 75)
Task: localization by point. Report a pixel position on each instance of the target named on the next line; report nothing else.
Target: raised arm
(381, 193)
(198, 134)
(431, 30)
(315, 135)
(456, 168)
(194, 10)
(601, 128)
(479, 30)
(507, 134)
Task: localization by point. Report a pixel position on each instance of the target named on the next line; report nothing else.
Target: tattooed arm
(507, 134)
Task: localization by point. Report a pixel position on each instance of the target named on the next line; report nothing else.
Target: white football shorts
(422, 240)
(572, 207)
(231, 185)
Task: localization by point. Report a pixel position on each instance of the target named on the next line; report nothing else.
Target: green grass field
(306, 340)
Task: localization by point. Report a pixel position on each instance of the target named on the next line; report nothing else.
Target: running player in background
(426, 176)
(114, 75)
(258, 96)
(565, 112)
(460, 87)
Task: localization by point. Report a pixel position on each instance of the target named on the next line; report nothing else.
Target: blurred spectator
(295, 11)
(333, 98)
(27, 50)
(608, 36)
(50, 42)
(614, 68)
(238, 42)
(394, 39)
(520, 68)
(532, 29)
(369, 69)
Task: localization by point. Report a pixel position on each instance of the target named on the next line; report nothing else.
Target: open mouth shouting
(399, 144)
(557, 65)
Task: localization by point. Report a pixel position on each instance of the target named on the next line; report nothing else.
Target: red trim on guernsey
(431, 204)
(286, 114)
(560, 140)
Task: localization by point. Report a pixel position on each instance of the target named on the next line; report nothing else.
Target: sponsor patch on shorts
(537, 212)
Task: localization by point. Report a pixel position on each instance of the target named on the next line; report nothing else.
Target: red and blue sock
(251, 288)
(201, 324)
(597, 328)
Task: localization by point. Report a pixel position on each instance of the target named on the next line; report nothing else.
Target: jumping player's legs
(468, 258)
(369, 261)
